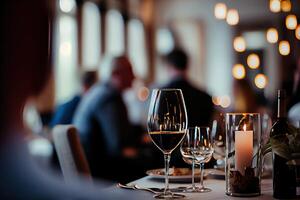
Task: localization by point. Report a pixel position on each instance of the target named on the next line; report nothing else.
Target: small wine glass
(167, 124)
(203, 152)
(190, 141)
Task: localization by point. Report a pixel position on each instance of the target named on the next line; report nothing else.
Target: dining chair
(70, 153)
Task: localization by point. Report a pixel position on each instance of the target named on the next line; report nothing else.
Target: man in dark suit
(198, 103)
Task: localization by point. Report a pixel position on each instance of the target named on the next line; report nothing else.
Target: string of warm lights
(239, 43)
(231, 16)
(291, 23)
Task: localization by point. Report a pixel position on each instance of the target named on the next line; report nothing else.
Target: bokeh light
(284, 48)
(260, 81)
(143, 93)
(239, 44)
(291, 22)
(216, 100)
(225, 101)
(253, 61)
(297, 32)
(275, 6)
(232, 17)
(238, 71)
(286, 5)
(272, 35)
(220, 11)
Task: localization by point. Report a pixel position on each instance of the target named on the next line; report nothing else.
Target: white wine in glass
(167, 124)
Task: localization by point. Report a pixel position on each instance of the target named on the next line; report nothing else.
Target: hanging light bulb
(291, 22)
(284, 48)
(272, 35)
(275, 6)
(239, 44)
(238, 71)
(220, 10)
(232, 17)
(297, 32)
(286, 5)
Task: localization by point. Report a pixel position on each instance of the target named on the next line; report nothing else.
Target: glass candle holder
(243, 159)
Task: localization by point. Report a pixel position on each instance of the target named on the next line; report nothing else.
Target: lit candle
(243, 149)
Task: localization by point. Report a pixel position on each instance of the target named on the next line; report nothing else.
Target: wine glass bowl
(167, 124)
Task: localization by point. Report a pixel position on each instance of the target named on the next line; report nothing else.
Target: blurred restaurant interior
(240, 53)
(257, 43)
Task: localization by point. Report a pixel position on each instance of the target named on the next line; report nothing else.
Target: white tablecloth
(217, 186)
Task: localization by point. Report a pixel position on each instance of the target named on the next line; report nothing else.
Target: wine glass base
(203, 190)
(168, 195)
(191, 189)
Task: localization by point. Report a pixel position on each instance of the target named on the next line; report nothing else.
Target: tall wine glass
(187, 147)
(203, 153)
(167, 124)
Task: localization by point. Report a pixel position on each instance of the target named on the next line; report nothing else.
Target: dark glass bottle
(283, 176)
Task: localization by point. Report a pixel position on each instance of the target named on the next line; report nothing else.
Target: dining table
(216, 185)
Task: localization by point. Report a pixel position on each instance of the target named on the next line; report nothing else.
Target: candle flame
(244, 127)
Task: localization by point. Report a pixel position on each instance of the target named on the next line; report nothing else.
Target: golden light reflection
(297, 32)
(284, 48)
(232, 17)
(291, 22)
(253, 61)
(225, 101)
(216, 100)
(238, 71)
(275, 6)
(272, 35)
(286, 5)
(220, 11)
(244, 127)
(260, 81)
(239, 44)
(143, 93)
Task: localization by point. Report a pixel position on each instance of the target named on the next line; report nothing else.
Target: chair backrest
(70, 153)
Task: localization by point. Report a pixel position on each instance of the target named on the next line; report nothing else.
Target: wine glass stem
(167, 161)
(201, 172)
(193, 175)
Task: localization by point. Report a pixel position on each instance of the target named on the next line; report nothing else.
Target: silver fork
(136, 187)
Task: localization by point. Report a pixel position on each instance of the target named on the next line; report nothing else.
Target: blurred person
(65, 112)
(198, 103)
(102, 120)
(24, 70)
